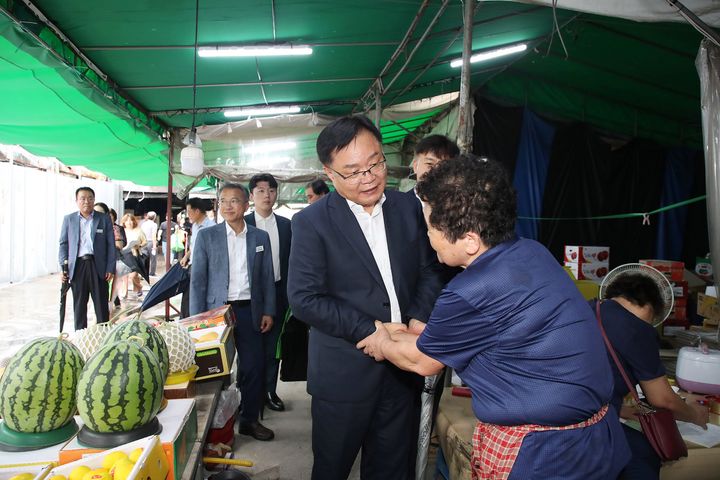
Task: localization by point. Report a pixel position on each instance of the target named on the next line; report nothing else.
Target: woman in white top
(135, 241)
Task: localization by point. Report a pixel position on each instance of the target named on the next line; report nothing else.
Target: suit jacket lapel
(251, 243)
(348, 226)
(95, 223)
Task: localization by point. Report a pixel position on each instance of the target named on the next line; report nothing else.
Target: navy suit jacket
(335, 286)
(210, 276)
(103, 243)
(285, 236)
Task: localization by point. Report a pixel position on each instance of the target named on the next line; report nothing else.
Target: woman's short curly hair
(470, 194)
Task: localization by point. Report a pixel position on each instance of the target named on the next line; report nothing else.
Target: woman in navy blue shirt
(517, 332)
(634, 304)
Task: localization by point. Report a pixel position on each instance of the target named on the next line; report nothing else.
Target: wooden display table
(456, 421)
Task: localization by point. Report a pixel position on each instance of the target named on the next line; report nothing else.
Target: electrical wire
(197, 15)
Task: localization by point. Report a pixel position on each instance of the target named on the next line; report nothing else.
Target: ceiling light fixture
(192, 158)
(261, 111)
(490, 54)
(220, 51)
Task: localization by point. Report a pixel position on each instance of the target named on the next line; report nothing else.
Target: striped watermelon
(120, 388)
(37, 389)
(152, 338)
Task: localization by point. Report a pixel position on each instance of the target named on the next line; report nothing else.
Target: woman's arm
(660, 395)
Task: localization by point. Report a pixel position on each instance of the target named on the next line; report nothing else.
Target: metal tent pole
(465, 123)
(168, 219)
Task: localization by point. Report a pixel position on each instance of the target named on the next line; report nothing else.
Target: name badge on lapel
(99, 230)
(259, 248)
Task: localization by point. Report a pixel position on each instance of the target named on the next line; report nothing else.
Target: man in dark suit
(359, 254)
(232, 264)
(87, 244)
(430, 151)
(264, 192)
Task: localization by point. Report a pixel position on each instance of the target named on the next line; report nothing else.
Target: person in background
(135, 241)
(87, 245)
(264, 192)
(120, 242)
(516, 331)
(196, 212)
(315, 190)
(232, 264)
(163, 236)
(430, 151)
(149, 227)
(634, 304)
(101, 207)
(357, 256)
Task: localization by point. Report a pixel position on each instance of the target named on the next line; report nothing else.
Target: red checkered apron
(495, 447)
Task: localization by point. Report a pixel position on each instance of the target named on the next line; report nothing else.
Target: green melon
(37, 389)
(152, 338)
(120, 388)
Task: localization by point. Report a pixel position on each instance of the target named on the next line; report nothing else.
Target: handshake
(379, 343)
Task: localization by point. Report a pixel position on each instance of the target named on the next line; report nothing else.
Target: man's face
(194, 214)
(359, 155)
(233, 204)
(311, 196)
(449, 253)
(85, 201)
(423, 162)
(264, 196)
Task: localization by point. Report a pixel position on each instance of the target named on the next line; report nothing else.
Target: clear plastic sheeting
(639, 10)
(285, 147)
(708, 67)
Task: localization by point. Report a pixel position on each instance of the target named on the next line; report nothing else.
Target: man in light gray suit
(87, 243)
(232, 264)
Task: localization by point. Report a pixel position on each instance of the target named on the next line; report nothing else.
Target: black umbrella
(174, 282)
(63, 294)
(136, 263)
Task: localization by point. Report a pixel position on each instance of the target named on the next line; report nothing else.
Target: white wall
(32, 206)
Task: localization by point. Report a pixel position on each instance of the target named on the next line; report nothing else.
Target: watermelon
(152, 338)
(38, 387)
(120, 388)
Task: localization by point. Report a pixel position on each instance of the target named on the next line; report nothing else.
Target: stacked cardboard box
(588, 263)
(709, 309)
(214, 342)
(674, 272)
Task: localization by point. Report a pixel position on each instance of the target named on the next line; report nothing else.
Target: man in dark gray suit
(87, 243)
(358, 255)
(264, 192)
(232, 264)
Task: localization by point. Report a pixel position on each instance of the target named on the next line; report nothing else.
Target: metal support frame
(168, 218)
(465, 124)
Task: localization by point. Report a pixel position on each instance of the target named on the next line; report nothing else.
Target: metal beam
(248, 84)
(118, 48)
(189, 111)
(465, 121)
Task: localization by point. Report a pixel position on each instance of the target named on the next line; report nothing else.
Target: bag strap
(610, 348)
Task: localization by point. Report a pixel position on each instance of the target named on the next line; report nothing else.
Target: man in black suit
(264, 192)
(87, 244)
(358, 255)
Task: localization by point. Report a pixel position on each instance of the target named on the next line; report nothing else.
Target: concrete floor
(31, 309)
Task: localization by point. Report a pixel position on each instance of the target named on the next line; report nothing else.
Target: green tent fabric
(50, 111)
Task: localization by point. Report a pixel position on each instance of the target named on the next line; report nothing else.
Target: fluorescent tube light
(260, 111)
(254, 51)
(490, 54)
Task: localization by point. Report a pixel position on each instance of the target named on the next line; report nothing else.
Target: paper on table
(692, 433)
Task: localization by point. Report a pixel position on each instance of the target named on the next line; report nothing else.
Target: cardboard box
(222, 315)
(673, 270)
(185, 389)
(179, 422)
(32, 461)
(214, 358)
(152, 464)
(589, 271)
(583, 254)
(708, 308)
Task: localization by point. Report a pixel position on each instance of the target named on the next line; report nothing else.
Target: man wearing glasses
(358, 256)
(232, 264)
(87, 247)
